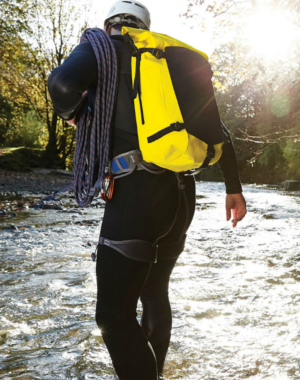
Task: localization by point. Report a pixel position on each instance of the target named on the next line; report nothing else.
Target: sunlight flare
(271, 35)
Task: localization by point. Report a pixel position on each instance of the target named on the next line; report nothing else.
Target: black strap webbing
(181, 189)
(157, 53)
(210, 155)
(136, 91)
(130, 44)
(137, 79)
(140, 250)
(175, 127)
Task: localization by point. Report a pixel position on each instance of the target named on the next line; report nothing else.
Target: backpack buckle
(129, 41)
(210, 151)
(177, 126)
(135, 50)
(157, 53)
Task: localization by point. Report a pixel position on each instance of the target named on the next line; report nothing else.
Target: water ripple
(234, 292)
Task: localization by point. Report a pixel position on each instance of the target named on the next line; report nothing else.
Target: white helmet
(126, 8)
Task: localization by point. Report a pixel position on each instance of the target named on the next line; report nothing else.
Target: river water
(235, 293)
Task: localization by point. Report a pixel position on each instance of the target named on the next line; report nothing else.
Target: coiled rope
(92, 141)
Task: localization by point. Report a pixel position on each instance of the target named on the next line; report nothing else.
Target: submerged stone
(291, 185)
(3, 213)
(37, 207)
(268, 216)
(52, 207)
(12, 227)
(11, 215)
(26, 227)
(72, 211)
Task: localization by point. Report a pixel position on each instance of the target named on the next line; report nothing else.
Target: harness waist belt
(127, 163)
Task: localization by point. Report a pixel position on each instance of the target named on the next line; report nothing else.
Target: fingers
(235, 221)
(229, 205)
(72, 121)
(238, 215)
(228, 213)
(241, 212)
(235, 206)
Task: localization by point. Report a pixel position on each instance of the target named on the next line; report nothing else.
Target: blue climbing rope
(92, 140)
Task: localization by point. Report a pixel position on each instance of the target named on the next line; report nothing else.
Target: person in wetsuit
(143, 207)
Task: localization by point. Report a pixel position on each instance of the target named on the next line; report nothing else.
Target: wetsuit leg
(120, 281)
(143, 207)
(157, 317)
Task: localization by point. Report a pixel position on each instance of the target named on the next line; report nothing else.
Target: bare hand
(72, 121)
(236, 204)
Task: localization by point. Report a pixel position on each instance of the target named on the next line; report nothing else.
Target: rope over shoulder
(93, 131)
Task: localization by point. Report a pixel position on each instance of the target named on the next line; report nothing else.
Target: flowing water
(235, 293)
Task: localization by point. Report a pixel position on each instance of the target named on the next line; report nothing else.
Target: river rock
(291, 185)
(52, 198)
(88, 222)
(25, 227)
(72, 211)
(38, 207)
(52, 207)
(11, 215)
(12, 227)
(42, 206)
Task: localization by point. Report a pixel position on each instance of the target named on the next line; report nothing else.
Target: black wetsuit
(143, 207)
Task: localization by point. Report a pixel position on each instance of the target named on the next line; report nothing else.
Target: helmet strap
(120, 20)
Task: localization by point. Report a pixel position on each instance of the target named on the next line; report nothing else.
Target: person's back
(145, 207)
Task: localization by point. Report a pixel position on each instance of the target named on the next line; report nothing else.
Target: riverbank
(43, 181)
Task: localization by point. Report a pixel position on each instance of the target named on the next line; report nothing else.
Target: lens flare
(271, 35)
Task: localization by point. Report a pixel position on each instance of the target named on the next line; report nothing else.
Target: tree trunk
(52, 158)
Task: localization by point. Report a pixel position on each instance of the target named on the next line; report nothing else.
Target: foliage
(291, 153)
(13, 58)
(21, 159)
(38, 35)
(259, 100)
(28, 132)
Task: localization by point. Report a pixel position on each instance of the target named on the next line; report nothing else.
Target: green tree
(53, 24)
(258, 100)
(39, 35)
(13, 58)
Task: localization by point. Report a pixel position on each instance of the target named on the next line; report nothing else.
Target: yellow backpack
(178, 122)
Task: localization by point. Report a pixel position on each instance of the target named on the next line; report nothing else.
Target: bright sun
(271, 35)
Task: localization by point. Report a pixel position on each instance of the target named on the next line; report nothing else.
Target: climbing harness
(126, 163)
(143, 250)
(163, 128)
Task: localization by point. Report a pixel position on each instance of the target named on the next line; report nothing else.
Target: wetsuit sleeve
(228, 166)
(68, 81)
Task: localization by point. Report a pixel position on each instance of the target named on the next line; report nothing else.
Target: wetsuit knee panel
(114, 324)
(108, 323)
(149, 297)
